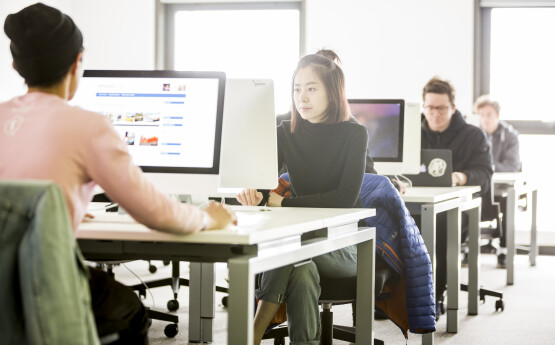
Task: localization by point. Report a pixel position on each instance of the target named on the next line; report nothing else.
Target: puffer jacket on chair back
(399, 243)
(44, 291)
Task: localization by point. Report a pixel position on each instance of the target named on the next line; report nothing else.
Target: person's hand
(400, 185)
(221, 216)
(88, 216)
(458, 178)
(249, 197)
(274, 200)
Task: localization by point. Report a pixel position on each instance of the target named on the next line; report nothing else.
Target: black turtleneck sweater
(469, 148)
(326, 163)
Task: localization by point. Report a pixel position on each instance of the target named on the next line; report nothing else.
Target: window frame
(165, 14)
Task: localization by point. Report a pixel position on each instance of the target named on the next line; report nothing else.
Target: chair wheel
(166, 262)
(173, 305)
(499, 304)
(224, 301)
(171, 330)
(152, 268)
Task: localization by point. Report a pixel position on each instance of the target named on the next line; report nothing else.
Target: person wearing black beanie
(44, 43)
(44, 138)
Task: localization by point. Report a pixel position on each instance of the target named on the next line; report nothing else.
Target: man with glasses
(443, 127)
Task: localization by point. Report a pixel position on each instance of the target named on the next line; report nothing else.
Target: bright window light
(522, 69)
(242, 43)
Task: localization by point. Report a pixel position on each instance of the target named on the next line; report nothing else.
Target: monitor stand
(193, 199)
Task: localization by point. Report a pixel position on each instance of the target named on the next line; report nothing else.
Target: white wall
(389, 48)
(117, 35)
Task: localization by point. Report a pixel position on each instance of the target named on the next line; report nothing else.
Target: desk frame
(244, 262)
(454, 205)
(513, 194)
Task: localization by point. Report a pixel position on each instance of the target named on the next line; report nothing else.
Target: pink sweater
(42, 137)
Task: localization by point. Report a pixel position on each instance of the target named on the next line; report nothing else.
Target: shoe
(501, 261)
(464, 261)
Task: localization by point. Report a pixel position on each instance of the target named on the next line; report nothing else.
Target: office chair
(337, 292)
(172, 328)
(44, 293)
(491, 214)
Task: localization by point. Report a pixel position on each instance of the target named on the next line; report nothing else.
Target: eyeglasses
(442, 109)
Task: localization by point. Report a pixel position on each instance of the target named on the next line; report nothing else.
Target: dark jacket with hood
(505, 148)
(469, 148)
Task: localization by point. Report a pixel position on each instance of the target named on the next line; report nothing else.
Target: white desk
(428, 202)
(262, 241)
(512, 186)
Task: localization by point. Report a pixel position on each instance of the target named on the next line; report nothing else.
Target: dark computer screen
(383, 118)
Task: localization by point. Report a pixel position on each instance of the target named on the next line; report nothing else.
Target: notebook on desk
(435, 169)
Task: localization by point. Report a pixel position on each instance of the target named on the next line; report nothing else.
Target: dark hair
(439, 86)
(324, 63)
(52, 81)
(44, 43)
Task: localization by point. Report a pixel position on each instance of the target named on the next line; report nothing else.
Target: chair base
(499, 304)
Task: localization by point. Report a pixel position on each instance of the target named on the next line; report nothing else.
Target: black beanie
(44, 43)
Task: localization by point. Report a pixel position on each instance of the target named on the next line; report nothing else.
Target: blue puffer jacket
(400, 244)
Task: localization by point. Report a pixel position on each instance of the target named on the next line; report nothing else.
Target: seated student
(443, 127)
(45, 138)
(325, 155)
(400, 186)
(503, 139)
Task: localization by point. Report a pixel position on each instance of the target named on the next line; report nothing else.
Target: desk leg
(365, 292)
(201, 302)
(473, 260)
(511, 248)
(428, 231)
(453, 268)
(534, 234)
(241, 302)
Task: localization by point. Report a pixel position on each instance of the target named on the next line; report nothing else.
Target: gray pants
(299, 286)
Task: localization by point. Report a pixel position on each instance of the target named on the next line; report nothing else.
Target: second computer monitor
(392, 140)
(171, 122)
(249, 139)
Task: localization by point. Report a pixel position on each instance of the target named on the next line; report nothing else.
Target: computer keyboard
(111, 217)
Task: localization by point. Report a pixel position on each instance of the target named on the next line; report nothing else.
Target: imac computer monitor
(390, 136)
(170, 120)
(249, 139)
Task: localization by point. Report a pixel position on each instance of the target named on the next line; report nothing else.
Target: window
(514, 63)
(245, 40)
(522, 72)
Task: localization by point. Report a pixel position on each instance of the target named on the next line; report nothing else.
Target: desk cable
(142, 282)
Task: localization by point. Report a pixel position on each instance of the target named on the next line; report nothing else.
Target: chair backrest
(44, 294)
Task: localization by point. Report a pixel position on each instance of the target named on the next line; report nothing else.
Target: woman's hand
(249, 197)
(275, 200)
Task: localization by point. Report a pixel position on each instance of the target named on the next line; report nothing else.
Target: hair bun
(330, 54)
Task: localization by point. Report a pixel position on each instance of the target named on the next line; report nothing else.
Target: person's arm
(109, 164)
(480, 169)
(348, 190)
(510, 154)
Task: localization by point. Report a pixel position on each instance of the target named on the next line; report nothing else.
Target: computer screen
(249, 139)
(170, 120)
(383, 118)
(393, 133)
